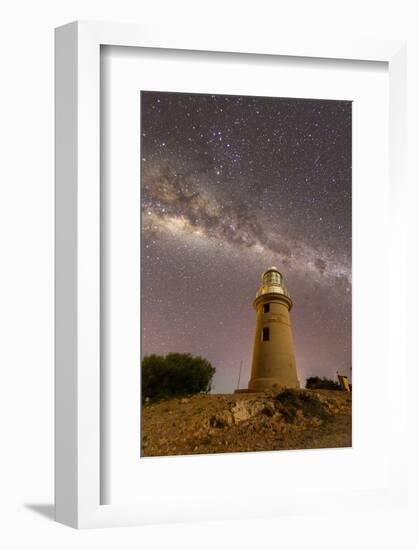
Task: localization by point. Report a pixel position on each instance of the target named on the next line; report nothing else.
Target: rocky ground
(291, 419)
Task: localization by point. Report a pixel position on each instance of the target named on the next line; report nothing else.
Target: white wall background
(26, 270)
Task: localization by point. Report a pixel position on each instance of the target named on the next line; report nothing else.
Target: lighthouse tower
(273, 363)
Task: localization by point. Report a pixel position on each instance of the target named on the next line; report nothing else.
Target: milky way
(229, 186)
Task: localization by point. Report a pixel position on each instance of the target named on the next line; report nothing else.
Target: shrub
(317, 383)
(290, 401)
(175, 375)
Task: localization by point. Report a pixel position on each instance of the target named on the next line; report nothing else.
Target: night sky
(231, 185)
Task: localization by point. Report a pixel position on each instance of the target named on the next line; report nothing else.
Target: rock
(221, 420)
(299, 415)
(184, 400)
(316, 421)
(248, 408)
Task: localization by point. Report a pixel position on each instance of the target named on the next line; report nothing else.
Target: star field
(229, 186)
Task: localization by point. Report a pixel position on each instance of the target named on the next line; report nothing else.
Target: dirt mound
(291, 419)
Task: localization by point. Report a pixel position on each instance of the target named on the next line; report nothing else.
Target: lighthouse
(273, 362)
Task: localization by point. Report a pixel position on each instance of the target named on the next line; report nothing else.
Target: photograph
(246, 273)
(208, 262)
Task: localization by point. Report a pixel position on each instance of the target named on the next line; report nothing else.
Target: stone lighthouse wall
(273, 363)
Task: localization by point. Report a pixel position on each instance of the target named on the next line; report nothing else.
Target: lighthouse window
(266, 308)
(265, 334)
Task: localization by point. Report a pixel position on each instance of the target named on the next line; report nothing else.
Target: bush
(175, 375)
(317, 383)
(290, 401)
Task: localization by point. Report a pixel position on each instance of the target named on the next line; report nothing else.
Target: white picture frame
(77, 242)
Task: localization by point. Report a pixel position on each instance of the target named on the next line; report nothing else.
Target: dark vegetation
(317, 383)
(175, 375)
(290, 401)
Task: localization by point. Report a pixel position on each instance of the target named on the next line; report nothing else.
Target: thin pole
(240, 372)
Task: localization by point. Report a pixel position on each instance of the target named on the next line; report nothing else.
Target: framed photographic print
(230, 186)
(229, 213)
